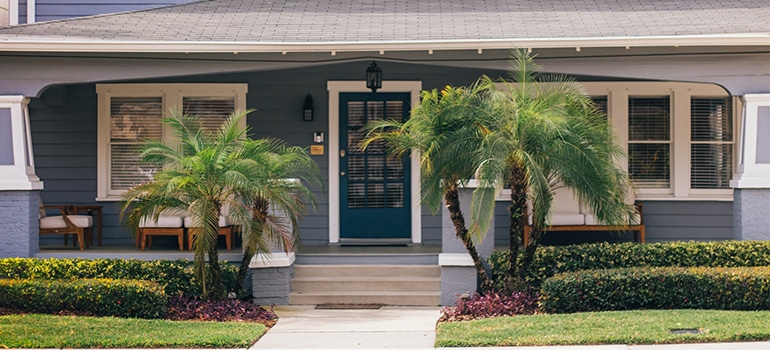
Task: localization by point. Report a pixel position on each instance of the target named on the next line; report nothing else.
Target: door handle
(342, 153)
(342, 173)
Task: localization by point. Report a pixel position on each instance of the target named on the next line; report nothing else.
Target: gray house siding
(64, 136)
(664, 221)
(49, 10)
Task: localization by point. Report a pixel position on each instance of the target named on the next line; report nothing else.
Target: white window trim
(335, 88)
(171, 95)
(680, 93)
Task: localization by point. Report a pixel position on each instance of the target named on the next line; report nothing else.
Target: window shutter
(213, 111)
(133, 120)
(711, 136)
(649, 141)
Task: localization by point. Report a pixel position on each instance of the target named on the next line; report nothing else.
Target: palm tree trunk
(217, 291)
(529, 251)
(518, 218)
(261, 208)
(452, 198)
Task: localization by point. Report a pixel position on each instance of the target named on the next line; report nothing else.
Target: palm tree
(208, 173)
(545, 133)
(278, 199)
(442, 129)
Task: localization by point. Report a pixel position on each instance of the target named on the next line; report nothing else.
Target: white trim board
(335, 88)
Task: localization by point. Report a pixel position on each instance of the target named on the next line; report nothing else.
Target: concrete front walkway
(305, 327)
(392, 327)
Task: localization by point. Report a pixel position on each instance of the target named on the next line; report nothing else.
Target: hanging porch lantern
(373, 77)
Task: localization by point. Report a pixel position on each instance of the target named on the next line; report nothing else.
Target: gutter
(62, 44)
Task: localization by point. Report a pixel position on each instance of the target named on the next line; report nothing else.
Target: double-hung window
(130, 114)
(649, 141)
(679, 137)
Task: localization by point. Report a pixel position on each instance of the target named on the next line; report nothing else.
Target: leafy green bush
(176, 276)
(737, 288)
(552, 260)
(100, 297)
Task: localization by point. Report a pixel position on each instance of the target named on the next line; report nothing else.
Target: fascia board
(46, 44)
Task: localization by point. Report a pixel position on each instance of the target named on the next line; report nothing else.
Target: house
(686, 86)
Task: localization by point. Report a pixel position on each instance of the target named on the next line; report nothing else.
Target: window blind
(711, 149)
(133, 120)
(212, 111)
(649, 141)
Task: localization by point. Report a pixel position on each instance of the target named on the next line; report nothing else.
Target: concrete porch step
(366, 284)
(384, 298)
(384, 284)
(414, 271)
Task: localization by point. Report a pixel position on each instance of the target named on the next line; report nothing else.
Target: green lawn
(617, 327)
(48, 331)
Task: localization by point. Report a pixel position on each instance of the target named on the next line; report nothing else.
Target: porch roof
(369, 25)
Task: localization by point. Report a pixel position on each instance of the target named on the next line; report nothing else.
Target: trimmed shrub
(99, 297)
(176, 276)
(552, 260)
(490, 305)
(742, 288)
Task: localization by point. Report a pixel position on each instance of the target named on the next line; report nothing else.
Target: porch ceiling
(397, 25)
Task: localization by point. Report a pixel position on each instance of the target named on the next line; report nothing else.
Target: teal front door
(374, 187)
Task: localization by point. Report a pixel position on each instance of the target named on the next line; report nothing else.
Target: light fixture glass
(307, 109)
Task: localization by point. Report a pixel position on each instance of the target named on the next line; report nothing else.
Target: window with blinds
(649, 141)
(130, 114)
(133, 120)
(711, 143)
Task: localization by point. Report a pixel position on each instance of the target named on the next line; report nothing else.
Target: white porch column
(19, 185)
(751, 183)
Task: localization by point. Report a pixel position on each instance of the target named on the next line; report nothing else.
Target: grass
(49, 331)
(616, 327)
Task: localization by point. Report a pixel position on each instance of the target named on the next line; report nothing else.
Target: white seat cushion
(223, 221)
(171, 221)
(561, 219)
(591, 220)
(58, 221)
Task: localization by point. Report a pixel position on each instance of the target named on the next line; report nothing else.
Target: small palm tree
(443, 128)
(278, 175)
(209, 173)
(546, 133)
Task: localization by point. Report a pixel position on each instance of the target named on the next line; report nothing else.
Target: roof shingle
(328, 21)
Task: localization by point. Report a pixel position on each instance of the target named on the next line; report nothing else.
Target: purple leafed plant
(182, 308)
(490, 305)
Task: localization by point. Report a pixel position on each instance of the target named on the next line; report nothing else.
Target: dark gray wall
(64, 136)
(664, 221)
(49, 10)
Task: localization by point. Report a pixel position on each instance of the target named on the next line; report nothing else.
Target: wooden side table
(91, 210)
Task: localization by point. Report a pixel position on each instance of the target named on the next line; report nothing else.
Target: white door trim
(335, 88)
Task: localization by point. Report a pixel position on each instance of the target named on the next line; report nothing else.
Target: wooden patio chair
(225, 229)
(168, 224)
(80, 226)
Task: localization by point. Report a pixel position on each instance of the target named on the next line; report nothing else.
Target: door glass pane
(395, 195)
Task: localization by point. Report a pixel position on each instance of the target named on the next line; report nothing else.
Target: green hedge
(100, 297)
(552, 260)
(176, 276)
(743, 288)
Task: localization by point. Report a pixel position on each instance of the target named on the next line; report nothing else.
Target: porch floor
(129, 252)
(335, 254)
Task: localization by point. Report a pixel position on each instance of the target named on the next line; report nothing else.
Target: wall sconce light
(307, 109)
(318, 137)
(373, 77)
